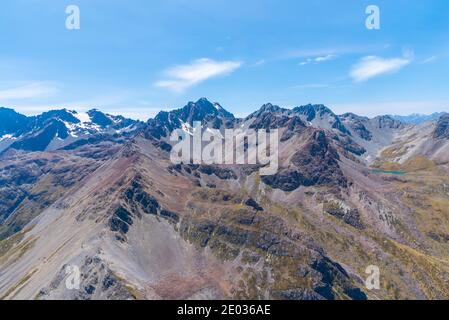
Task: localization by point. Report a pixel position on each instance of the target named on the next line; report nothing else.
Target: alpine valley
(99, 193)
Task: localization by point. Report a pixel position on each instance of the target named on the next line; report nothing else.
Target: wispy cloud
(28, 91)
(311, 86)
(295, 53)
(318, 59)
(429, 60)
(373, 66)
(182, 77)
(259, 63)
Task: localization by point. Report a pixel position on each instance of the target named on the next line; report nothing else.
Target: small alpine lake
(398, 173)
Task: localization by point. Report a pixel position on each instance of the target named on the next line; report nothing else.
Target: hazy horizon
(139, 115)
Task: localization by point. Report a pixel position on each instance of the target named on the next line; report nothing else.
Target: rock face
(211, 114)
(357, 123)
(260, 233)
(12, 122)
(319, 113)
(318, 162)
(57, 129)
(273, 117)
(442, 128)
(99, 283)
(349, 145)
(387, 122)
(30, 183)
(41, 140)
(349, 216)
(312, 111)
(314, 165)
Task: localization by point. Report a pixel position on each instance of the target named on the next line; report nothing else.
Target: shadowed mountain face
(442, 127)
(315, 164)
(204, 111)
(99, 192)
(11, 122)
(58, 128)
(320, 114)
(357, 124)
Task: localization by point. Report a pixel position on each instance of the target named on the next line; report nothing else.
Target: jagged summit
(11, 122)
(353, 116)
(311, 111)
(267, 108)
(57, 128)
(389, 122)
(202, 111)
(321, 116)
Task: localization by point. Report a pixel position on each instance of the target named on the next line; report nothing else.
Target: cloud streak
(182, 77)
(373, 66)
(28, 91)
(319, 59)
(311, 86)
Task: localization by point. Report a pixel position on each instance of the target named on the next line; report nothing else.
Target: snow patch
(7, 137)
(83, 117)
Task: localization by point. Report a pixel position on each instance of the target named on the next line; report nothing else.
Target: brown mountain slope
(139, 227)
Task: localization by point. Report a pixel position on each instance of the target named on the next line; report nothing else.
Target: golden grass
(18, 286)
(16, 252)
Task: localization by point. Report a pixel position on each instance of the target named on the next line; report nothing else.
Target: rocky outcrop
(311, 111)
(357, 123)
(349, 216)
(293, 127)
(319, 112)
(209, 114)
(120, 221)
(269, 236)
(30, 183)
(442, 127)
(270, 117)
(315, 164)
(222, 173)
(387, 122)
(137, 198)
(253, 204)
(348, 145)
(170, 215)
(98, 282)
(285, 179)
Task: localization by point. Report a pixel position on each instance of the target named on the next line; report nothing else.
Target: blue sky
(137, 57)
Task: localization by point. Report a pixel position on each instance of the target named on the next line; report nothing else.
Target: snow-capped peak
(81, 116)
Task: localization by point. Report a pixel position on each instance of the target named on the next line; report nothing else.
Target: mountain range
(58, 128)
(99, 193)
(417, 118)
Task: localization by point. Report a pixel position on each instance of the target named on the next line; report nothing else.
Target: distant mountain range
(417, 118)
(100, 193)
(58, 128)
